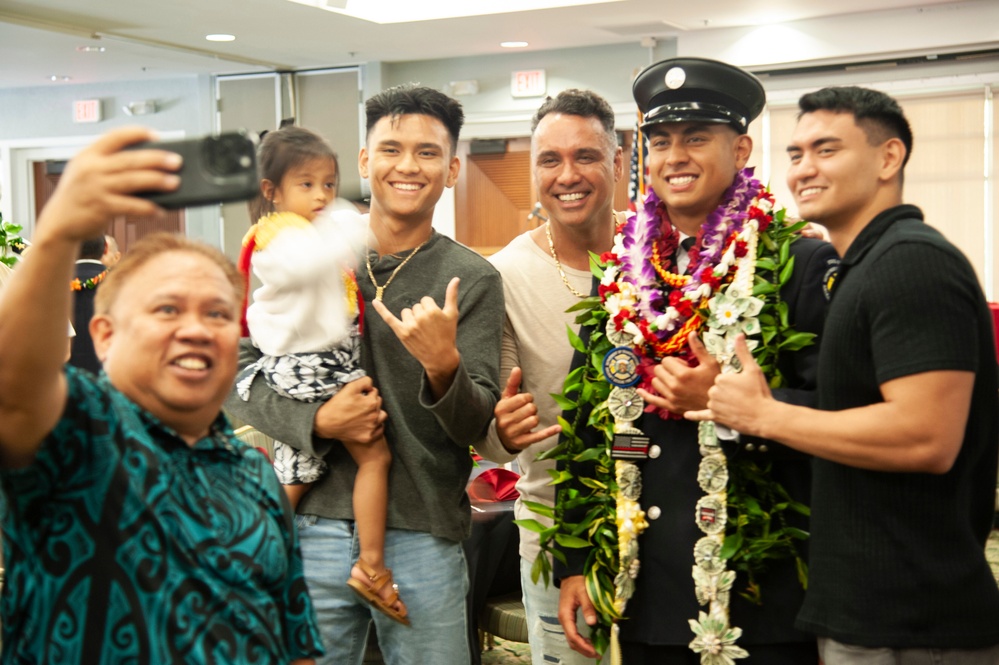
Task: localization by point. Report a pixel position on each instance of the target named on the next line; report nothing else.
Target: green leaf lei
(757, 529)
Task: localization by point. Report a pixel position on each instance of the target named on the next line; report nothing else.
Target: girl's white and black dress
(304, 318)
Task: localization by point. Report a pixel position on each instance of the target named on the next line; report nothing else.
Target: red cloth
(494, 485)
(243, 264)
(994, 306)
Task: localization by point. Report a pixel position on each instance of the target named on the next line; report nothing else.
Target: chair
(254, 437)
(503, 616)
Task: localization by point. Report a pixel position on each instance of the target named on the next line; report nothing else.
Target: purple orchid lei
(644, 228)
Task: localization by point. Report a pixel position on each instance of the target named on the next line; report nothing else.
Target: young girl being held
(305, 319)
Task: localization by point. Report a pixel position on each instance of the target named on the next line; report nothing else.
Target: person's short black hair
(411, 98)
(584, 103)
(877, 114)
(92, 249)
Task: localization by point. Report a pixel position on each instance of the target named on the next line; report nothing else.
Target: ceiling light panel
(407, 11)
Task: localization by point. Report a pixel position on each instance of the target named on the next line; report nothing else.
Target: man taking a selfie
(136, 527)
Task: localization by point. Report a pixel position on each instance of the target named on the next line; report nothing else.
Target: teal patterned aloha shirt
(123, 544)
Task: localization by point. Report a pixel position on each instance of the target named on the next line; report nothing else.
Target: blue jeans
(433, 581)
(548, 645)
(837, 653)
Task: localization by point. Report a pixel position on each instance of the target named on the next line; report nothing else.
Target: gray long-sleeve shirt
(429, 440)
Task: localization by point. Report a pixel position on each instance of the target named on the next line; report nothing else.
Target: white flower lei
(717, 301)
(734, 310)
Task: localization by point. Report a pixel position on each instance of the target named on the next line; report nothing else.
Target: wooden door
(125, 229)
(495, 194)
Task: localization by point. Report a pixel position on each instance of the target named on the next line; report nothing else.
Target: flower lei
(723, 296)
(90, 283)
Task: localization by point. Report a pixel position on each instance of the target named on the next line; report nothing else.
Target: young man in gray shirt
(431, 340)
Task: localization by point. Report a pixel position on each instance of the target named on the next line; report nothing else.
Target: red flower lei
(641, 259)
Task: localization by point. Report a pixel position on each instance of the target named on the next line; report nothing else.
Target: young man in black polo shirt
(906, 430)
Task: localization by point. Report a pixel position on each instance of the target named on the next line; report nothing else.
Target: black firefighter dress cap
(698, 90)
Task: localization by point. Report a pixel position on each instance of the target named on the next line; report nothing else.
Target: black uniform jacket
(664, 599)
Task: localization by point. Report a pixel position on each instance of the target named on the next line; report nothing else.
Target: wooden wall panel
(495, 194)
(493, 198)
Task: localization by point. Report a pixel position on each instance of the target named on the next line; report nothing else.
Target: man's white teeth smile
(406, 186)
(191, 363)
(574, 196)
(681, 180)
(808, 191)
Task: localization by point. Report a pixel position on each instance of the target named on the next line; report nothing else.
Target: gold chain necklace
(558, 264)
(379, 290)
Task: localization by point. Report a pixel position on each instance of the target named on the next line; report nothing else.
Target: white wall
(495, 113)
(185, 103)
(37, 123)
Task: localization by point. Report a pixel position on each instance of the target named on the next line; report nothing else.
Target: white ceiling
(165, 38)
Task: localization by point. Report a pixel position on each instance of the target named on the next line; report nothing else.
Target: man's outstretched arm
(98, 184)
(918, 428)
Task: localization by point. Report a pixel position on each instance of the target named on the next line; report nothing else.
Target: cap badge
(675, 78)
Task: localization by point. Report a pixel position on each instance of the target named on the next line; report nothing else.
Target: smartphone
(216, 169)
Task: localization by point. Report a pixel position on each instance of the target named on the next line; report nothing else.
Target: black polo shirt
(897, 559)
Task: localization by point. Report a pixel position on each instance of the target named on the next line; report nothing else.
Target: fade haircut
(582, 103)
(411, 98)
(878, 115)
(149, 248)
(282, 150)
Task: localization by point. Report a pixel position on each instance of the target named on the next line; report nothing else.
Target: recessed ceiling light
(513, 44)
(91, 49)
(221, 37)
(61, 79)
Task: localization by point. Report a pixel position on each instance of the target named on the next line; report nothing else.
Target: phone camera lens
(226, 155)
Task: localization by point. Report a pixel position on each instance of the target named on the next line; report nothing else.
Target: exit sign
(87, 110)
(530, 83)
